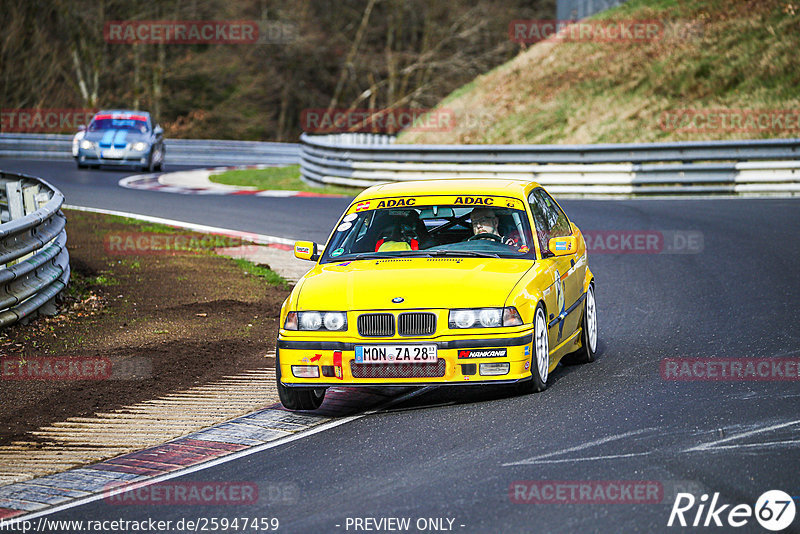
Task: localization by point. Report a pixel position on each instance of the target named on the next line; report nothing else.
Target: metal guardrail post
(34, 262)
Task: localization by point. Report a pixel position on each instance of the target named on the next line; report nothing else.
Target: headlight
(334, 320)
(139, 147)
(316, 320)
(76, 141)
(87, 145)
(484, 318)
(310, 320)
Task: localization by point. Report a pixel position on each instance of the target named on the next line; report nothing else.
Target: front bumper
(460, 357)
(122, 157)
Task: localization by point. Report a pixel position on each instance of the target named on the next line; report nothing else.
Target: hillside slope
(719, 70)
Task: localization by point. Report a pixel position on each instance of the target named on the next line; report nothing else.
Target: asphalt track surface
(456, 452)
(271, 216)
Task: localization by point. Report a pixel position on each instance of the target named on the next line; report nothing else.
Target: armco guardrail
(178, 151)
(708, 167)
(34, 262)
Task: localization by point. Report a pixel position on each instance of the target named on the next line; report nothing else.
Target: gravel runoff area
(142, 320)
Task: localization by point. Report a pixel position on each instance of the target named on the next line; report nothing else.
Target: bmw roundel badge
(398, 300)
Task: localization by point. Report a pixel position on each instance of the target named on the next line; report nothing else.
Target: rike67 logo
(774, 511)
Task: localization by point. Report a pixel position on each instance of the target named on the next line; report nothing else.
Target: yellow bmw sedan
(439, 282)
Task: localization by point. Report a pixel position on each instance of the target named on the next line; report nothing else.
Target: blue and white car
(120, 137)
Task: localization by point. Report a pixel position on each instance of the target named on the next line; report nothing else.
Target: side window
(550, 220)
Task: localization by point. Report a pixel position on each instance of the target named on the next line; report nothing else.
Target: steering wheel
(486, 235)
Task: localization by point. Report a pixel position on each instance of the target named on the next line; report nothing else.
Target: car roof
(449, 186)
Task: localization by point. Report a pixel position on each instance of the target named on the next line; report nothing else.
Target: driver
(485, 221)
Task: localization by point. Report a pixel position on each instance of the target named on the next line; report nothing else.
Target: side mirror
(158, 130)
(563, 246)
(306, 250)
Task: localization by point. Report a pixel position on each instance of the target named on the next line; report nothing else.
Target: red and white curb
(196, 182)
(243, 436)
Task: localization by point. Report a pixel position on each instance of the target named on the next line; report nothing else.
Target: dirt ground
(162, 320)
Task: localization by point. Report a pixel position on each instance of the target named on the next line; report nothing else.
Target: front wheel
(297, 398)
(540, 361)
(587, 352)
(160, 165)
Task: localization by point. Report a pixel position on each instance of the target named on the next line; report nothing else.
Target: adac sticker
(475, 201)
(396, 203)
(337, 252)
(563, 245)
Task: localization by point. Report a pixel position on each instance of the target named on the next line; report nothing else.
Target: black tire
(148, 167)
(588, 350)
(160, 166)
(297, 398)
(540, 359)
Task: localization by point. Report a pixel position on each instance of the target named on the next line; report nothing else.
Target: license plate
(111, 154)
(396, 354)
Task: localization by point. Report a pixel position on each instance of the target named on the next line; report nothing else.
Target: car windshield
(435, 230)
(113, 123)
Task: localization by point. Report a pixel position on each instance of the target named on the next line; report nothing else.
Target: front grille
(398, 370)
(416, 324)
(376, 325)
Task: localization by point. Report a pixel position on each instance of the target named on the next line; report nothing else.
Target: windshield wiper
(468, 253)
(370, 256)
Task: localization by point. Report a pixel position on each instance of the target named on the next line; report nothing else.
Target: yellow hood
(421, 282)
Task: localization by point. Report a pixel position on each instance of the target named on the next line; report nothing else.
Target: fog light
(305, 371)
(495, 369)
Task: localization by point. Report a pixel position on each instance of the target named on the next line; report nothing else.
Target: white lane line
(535, 459)
(202, 228)
(763, 444)
(211, 463)
(584, 459)
(712, 444)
